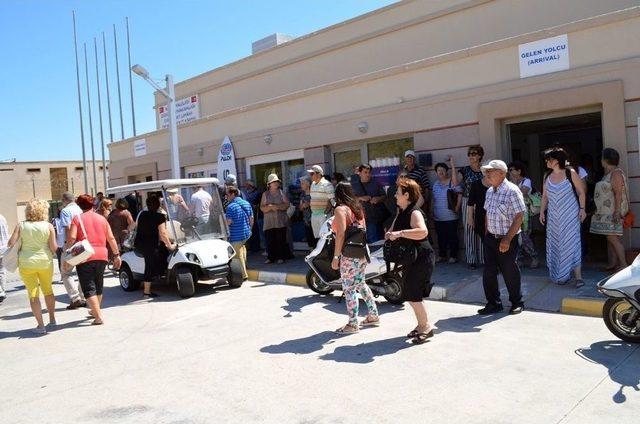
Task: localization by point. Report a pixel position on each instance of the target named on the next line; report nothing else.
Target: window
(79, 168)
(389, 149)
(33, 169)
(344, 162)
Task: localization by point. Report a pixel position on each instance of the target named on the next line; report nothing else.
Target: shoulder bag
(452, 198)
(398, 251)
(10, 255)
(355, 242)
(81, 250)
(629, 217)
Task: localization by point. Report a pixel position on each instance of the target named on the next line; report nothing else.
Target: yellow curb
(253, 274)
(296, 279)
(588, 307)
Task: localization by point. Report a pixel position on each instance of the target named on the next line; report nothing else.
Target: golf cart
(203, 253)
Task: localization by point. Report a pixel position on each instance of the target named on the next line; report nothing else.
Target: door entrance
(581, 136)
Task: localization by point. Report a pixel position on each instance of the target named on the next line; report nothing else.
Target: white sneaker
(39, 330)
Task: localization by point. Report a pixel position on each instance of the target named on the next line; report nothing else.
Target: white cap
(495, 164)
(172, 190)
(409, 153)
(230, 179)
(272, 178)
(317, 169)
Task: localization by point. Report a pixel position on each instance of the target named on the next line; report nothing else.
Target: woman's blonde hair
(37, 210)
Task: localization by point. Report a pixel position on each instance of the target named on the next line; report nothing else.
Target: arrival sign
(544, 56)
(226, 160)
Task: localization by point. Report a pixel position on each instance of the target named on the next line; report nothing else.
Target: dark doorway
(581, 136)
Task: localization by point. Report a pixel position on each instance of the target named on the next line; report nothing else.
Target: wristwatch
(336, 257)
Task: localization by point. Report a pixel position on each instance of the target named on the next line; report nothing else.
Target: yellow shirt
(34, 251)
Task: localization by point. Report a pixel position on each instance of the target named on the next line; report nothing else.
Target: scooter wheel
(394, 291)
(315, 284)
(616, 313)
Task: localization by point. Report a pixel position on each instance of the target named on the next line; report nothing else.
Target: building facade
(515, 76)
(47, 180)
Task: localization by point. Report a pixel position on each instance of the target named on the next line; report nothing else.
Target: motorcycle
(621, 311)
(322, 279)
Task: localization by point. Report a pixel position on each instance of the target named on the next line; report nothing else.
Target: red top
(97, 229)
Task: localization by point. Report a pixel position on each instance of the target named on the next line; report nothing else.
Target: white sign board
(544, 56)
(140, 147)
(187, 110)
(226, 160)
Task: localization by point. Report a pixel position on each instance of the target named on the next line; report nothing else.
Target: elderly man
(200, 205)
(68, 212)
(239, 216)
(4, 238)
(505, 208)
(322, 192)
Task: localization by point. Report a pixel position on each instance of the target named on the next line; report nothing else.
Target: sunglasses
(473, 154)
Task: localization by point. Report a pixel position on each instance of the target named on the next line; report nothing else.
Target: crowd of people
(490, 207)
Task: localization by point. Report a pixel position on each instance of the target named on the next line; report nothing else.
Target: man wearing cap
(322, 192)
(239, 216)
(505, 210)
(418, 174)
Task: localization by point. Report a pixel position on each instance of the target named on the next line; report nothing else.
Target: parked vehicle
(203, 253)
(322, 279)
(621, 312)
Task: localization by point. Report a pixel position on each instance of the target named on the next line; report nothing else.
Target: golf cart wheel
(394, 291)
(616, 314)
(126, 279)
(184, 280)
(315, 284)
(234, 278)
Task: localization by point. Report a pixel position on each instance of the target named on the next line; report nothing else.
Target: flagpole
(115, 43)
(133, 112)
(104, 164)
(106, 78)
(93, 151)
(84, 156)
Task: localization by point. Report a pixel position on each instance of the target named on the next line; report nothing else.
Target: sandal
(347, 329)
(96, 322)
(149, 295)
(412, 334)
(369, 321)
(579, 283)
(421, 338)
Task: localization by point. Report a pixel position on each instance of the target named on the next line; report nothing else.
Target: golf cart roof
(163, 184)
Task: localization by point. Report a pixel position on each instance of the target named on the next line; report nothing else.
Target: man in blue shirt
(371, 196)
(239, 216)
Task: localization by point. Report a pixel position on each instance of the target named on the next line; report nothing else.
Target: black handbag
(452, 198)
(355, 243)
(398, 251)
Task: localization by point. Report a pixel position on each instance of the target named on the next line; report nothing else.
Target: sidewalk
(457, 283)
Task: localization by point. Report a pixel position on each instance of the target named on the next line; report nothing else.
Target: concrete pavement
(267, 353)
(457, 283)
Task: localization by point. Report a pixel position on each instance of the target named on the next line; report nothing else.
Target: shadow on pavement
(468, 324)
(304, 345)
(614, 354)
(365, 353)
(29, 334)
(295, 305)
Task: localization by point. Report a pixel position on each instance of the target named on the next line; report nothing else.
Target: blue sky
(39, 115)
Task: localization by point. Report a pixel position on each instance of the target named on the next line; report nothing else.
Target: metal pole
(133, 112)
(84, 157)
(115, 43)
(106, 78)
(173, 128)
(93, 150)
(104, 165)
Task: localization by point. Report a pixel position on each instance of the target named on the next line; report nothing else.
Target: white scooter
(621, 312)
(322, 279)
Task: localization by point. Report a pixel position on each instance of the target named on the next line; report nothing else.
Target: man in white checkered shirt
(505, 210)
(4, 238)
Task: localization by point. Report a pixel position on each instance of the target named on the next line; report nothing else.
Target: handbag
(355, 242)
(398, 251)
(535, 201)
(629, 217)
(81, 250)
(10, 256)
(452, 198)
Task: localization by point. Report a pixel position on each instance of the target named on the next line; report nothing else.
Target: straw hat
(272, 178)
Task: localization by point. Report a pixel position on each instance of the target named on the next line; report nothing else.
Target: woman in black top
(151, 230)
(476, 200)
(410, 227)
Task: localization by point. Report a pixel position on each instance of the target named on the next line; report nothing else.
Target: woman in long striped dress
(468, 175)
(563, 199)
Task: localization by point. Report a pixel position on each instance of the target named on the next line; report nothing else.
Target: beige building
(22, 181)
(436, 75)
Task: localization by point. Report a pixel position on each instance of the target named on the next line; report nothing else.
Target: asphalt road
(267, 353)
